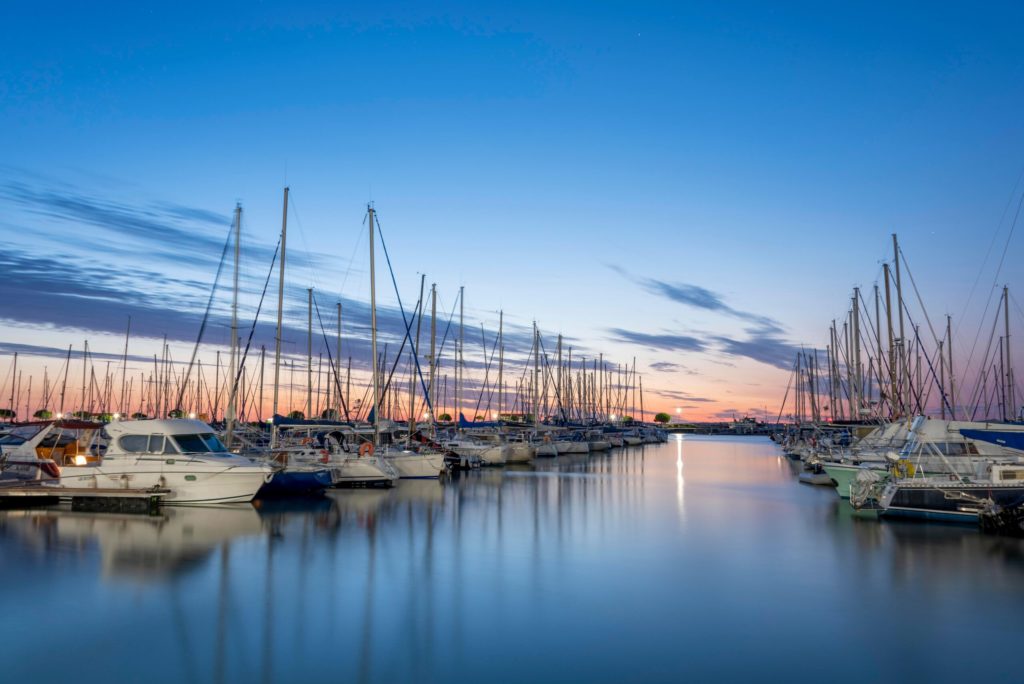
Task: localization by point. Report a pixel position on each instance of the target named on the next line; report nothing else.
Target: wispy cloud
(700, 298)
(667, 341)
(762, 347)
(677, 395)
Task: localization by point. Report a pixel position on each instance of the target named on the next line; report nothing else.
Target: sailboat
(409, 462)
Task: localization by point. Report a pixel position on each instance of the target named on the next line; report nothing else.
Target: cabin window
(134, 444)
(1012, 474)
(159, 445)
(200, 443)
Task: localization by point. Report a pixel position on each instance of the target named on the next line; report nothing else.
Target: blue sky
(580, 164)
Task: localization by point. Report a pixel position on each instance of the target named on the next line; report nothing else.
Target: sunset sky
(696, 186)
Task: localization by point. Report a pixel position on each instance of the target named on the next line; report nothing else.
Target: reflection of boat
(184, 456)
(146, 547)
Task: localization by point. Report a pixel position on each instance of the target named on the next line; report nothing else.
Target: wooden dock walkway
(110, 500)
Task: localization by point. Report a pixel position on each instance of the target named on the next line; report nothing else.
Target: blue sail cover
(1012, 439)
(463, 423)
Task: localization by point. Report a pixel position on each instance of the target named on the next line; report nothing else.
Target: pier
(97, 500)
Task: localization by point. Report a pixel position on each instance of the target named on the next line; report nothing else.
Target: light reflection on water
(600, 568)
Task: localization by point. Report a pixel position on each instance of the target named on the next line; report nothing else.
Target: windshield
(203, 443)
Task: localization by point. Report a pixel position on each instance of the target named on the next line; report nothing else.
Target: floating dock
(111, 500)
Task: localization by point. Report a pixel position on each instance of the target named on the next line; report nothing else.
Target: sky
(696, 186)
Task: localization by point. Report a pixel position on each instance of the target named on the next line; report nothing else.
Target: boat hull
(417, 466)
(297, 483)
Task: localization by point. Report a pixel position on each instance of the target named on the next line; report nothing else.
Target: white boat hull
(409, 464)
(197, 484)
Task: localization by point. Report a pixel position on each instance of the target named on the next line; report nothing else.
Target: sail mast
(373, 337)
(280, 310)
(309, 352)
(230, 417)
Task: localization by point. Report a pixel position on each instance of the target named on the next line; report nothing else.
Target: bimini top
(158, 426)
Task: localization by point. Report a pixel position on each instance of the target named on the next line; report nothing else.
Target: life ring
(325, 456)
(366, 449)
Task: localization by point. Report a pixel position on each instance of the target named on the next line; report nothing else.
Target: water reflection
(703, 566)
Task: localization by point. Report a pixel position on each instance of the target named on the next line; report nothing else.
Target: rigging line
(992, 244)
(206, 315)
(995, 279)
(978, 385)
(487, 372)
(408, 325)
(920, 301)
(255, 320)
(330, 359)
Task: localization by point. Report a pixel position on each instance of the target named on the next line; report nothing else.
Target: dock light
(613, 416)
(426, 415)
(80, 460)
(494, 415)
(59, 416)
(117, 416)
(192, 416)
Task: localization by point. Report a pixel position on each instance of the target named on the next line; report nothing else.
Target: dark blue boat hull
(296, 483)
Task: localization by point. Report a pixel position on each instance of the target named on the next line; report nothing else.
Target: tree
(444, 417)
(662, 418)
(8, 413)
(297, 415)
(329, 414)
(139, 416)
(43, 414)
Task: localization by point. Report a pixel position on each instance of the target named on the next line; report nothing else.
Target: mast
(85, 370)
(895, 406)
(337, 368)
(124, 365)
(878, 350)
(558, 380)
(858, 373)
(501, 362)
(64, 385)
(899, 308)
(1010, 399)
(536, 376)
(431, 399)
(459, 360)
(373, 336)
(412, 355)
(230, 417)
(952, 377)
(263, 367)
(309, 353)
(280, 310)
(14, 375)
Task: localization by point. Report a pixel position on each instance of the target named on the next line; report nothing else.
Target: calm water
(701, 558)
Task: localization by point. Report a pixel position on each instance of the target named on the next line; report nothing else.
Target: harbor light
(80, 460)
(59, 416)
(613, 416)
(117, 416)
(192, 416)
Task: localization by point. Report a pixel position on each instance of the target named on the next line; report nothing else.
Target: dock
(97, 500)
